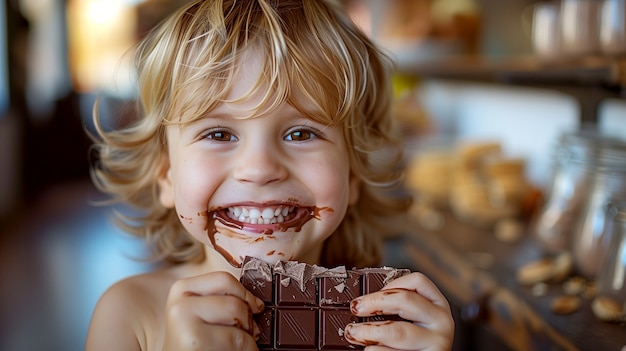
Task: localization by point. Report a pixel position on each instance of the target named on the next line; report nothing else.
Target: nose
(260, 163)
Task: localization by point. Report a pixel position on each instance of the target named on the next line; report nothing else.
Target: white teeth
(254, 213)
(267, 215)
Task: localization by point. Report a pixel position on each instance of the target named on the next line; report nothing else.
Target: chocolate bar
(306, 306)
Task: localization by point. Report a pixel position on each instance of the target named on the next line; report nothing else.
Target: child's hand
(413, 297)
(211, 311)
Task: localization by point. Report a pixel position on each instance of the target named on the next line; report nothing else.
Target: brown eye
(300, 135)
(220, 135)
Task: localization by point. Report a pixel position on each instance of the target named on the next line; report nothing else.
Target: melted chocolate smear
(390, 292)
(209, 227)
(188, 219)
(304, 215)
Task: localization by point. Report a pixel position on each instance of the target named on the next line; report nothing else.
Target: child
(265, 131)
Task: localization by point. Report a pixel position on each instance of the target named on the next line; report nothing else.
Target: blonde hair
(311, 47)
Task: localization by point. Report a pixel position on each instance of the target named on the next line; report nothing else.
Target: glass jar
(612, 275)
(608, 184)
(573, 164)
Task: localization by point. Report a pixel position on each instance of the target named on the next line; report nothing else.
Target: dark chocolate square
(259, 288)
(288, 292)
(296, 328)
(339, 291)
(373, 281)
(333, 323)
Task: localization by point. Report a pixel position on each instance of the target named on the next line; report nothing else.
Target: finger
(419, 283)
(215, 283)
(215, 338)
(404, 303)
(394, 335)
(215, 309)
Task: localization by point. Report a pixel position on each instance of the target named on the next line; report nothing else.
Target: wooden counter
(477, 274)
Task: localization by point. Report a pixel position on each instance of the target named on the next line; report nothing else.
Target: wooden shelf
(590, 80)
(525, 70)
(469, 265)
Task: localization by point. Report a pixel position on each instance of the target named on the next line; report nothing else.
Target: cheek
(331, 184)
(194, 184)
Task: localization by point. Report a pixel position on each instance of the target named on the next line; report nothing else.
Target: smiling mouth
(263, 215)
(265, 219)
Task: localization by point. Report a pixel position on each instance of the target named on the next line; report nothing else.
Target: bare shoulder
(130, 313)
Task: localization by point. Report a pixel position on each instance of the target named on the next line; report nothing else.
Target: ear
(164, 181)
(354, 188)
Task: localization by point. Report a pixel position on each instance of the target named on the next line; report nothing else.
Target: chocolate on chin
(306, 306)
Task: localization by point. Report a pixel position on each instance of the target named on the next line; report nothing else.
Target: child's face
(224, 173)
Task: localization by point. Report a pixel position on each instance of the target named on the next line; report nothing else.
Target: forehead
(250, 88)
(249, 83)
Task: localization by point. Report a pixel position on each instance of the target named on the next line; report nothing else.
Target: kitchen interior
(515, 118)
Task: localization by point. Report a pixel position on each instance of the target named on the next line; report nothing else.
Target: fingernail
(355, 305)
(349, 331)
(259, 304)
(352, 331)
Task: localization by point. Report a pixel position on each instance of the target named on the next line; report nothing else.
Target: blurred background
(505, 77)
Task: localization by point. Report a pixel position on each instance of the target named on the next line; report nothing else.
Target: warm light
(100, 35)
(102, 12)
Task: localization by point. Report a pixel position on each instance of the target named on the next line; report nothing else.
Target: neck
(214, 262)
(312, 256)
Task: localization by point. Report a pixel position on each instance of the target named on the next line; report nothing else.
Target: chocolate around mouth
(301, 215)
(294, 220)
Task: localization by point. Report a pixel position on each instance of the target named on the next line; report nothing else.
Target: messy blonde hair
(185, 68)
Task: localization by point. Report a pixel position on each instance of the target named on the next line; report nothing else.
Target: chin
(234, 246)
(270, 243)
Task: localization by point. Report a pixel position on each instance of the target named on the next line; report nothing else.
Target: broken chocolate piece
(306, 306)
